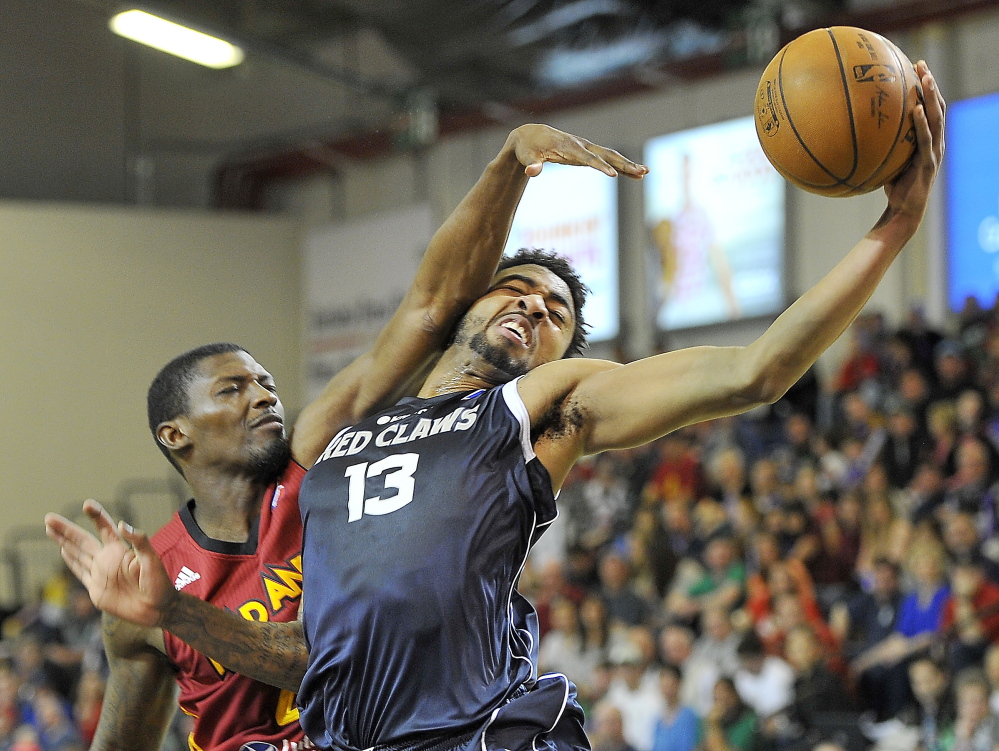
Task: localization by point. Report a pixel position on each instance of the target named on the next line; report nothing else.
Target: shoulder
(550, 392)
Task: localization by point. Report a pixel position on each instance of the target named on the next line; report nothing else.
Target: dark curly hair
(561, 268)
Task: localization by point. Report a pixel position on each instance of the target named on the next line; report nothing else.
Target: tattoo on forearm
(272, 653)
(139, 697)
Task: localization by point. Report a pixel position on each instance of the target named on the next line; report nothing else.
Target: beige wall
(93, 302)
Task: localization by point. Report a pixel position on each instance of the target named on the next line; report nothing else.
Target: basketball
(834, 111)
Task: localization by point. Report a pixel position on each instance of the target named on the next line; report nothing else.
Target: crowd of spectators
(822, 570)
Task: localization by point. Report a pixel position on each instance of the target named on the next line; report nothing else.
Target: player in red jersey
(216, 416)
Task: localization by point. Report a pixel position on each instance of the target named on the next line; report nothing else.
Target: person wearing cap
(635, 692)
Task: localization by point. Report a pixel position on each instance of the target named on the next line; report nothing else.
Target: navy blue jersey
(417, 524)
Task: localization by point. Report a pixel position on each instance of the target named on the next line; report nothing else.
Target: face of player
(525, 320)
(235, 420)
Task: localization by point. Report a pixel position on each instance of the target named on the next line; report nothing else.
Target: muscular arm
(140, 697)
(126, 579)
(456, 269)
(272, 653)
(617, 407)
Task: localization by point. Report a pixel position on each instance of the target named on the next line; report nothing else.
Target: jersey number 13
(398, 471)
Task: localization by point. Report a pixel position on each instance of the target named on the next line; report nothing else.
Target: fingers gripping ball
(834, 111)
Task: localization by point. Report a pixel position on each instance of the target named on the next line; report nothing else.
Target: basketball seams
(849, 104)
(801, 142)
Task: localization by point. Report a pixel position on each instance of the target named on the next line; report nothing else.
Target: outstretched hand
(536, 144)
(122, 573)
(909, 192)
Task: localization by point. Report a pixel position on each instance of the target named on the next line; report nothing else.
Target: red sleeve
(988, 606)
(947, 622)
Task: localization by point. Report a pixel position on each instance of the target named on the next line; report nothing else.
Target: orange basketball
(834, 111)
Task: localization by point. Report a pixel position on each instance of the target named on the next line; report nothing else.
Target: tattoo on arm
(140, 697)
(272, 653)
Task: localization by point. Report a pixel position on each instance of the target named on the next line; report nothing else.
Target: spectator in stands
(796, 450)
(926, 492)
(971, 488)
(941, 422)
(606, 496)
(713, 656)
(974, 728)
(731, 725)
(791, 612)
(676, 645)
(951, 367)
(728, 482)
(679, 726)
(764, 682)
(861, 363)
(905, 444)
(817, 689)
(914, 391)
(991, 666)
(561, 649)
(722, 585)
(87, 708)
(55, 729)
(971, 614)
(623, 605)
(635, 692)
(35, 671)
(931, 709)
(920, 613)
(652, 554)
(921, 338)
(607, 733)
(550, 585)
(765, 555)
(765, 487)
(883, 534)
(677, 476)
(962, 539)
(834, 566)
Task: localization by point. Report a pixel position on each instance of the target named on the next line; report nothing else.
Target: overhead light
(178, 40)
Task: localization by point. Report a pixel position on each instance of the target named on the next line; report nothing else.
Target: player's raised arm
(635, 403)
(126, 580)
(455, 271)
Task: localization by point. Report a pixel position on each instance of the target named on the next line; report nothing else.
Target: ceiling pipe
(242, 182)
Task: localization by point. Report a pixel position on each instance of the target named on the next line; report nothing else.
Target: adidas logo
(185, 577)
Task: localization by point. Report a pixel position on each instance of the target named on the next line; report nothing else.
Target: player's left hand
(122, 573)
(909, 192)
(536, 144)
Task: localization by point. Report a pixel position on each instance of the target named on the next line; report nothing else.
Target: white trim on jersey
(509, 601)
(565, 703)
(516, 405)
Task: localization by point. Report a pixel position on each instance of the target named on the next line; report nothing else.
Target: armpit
(565, 418)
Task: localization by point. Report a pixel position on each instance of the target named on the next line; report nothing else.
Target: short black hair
(750, 645)
(167, 397)
(561, 268)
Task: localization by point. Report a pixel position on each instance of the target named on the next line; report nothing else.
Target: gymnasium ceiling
(88, 116)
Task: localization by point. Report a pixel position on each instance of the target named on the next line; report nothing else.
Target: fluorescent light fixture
(178, 40)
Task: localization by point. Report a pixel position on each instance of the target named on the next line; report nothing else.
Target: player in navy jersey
(215, 414)
(417, 520)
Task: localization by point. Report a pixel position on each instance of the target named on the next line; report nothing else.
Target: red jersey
(261, 579)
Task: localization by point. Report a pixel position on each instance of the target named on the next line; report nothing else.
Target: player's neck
(226, 505)
(460, 369)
